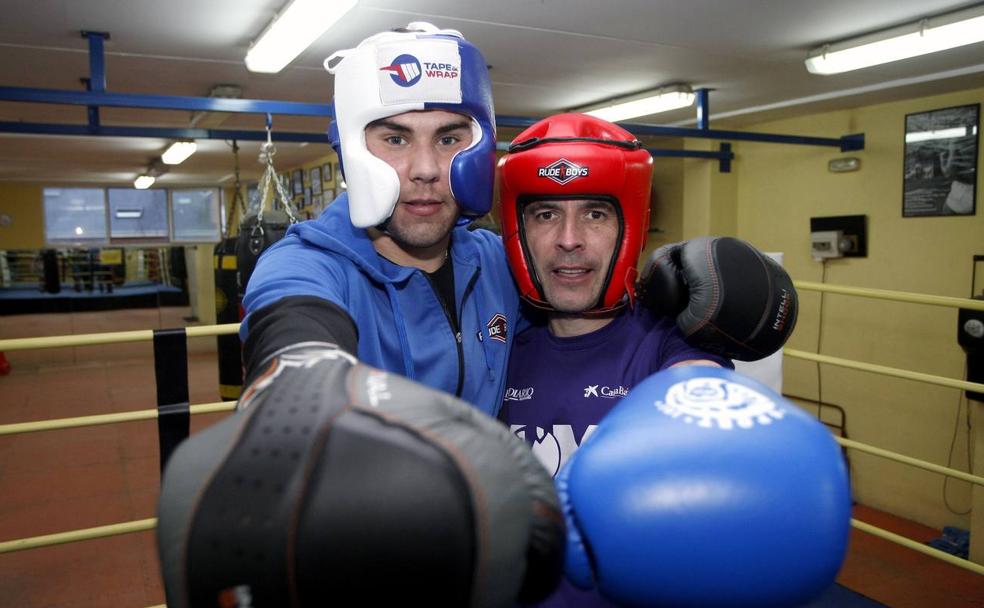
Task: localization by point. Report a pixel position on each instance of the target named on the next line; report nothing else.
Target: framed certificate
(297, 181)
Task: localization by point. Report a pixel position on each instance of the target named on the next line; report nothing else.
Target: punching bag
(227, 311)
(256, 233)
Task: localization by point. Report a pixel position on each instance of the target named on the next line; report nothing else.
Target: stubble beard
(567, 301)
(411, 232)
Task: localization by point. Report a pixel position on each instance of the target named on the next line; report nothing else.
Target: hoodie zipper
(457, 336)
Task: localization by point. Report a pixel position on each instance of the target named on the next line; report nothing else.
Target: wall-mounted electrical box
(839, 236)
(827, 244)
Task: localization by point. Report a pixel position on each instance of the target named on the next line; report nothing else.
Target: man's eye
(545, 216)
(394, 140)
(597, 215)
(449, 140)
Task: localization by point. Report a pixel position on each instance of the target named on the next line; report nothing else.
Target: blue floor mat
(839, 596)
(132, 295)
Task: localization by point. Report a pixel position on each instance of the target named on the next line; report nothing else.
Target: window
(195, 215)
(75, 215)
(127, 216)
(137, 214)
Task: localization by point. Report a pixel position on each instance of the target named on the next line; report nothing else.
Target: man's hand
(727, 296)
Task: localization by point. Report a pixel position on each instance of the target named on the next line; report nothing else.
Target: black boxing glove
(727, 296)
(337, 483)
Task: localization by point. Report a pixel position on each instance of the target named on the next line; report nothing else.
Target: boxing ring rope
(227, 329)
(884, 370)
(228, 406)
(115, 337)
(886, 294)
(59, 538)
(917, 546)
(80, 421)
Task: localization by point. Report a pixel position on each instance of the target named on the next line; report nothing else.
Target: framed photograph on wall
(326, 172)
(316, 204)
(297, 181)
(328, 197)
(940, 167)
(315, 176)
(252, 195)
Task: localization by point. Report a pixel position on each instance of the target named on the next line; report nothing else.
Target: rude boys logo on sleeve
(431, 74)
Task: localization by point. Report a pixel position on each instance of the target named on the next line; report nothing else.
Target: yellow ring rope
(33, 542)
(143, 525)
(232, 328)
(897, 296)
(885, 370)
(929, 466)
(917, 546)
(112, 337)
(67, 423)
(228, 406)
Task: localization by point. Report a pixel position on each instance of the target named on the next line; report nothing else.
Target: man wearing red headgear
(575, 201)
(575, 196)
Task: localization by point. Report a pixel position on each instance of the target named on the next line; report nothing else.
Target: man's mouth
(423, 206)
(571, 273)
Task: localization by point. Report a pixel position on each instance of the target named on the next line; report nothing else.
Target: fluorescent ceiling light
(292, 31)
(129, 214)
(178, 152)
(940, 134)
(143, 182)
(665, 99)
(920, 38)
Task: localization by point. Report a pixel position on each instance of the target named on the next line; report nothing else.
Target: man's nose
(571, 234)
(424, 165)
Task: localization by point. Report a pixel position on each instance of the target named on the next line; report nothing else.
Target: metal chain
(237, 196)
(267, 151)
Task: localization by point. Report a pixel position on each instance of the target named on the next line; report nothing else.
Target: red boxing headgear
(577, 157)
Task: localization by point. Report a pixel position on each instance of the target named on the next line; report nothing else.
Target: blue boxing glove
(705, 488)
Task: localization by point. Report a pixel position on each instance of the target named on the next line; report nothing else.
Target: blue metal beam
(162, 132)
(724, 155)
(97, 62)
(703, 110)
(97, 71)
(163, 102)
(845, 143)
(260, 106)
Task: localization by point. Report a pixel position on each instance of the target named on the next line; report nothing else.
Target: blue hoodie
(402, 325)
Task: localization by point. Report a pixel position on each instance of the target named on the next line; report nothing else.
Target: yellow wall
(779, 188)
(22, 202)
(691, 197)
(666, 217)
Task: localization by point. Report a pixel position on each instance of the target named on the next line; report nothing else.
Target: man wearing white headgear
(389, 272)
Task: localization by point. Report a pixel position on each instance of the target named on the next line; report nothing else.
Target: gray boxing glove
(727, 296)
(338, 483)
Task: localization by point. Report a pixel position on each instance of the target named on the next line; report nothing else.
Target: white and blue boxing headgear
(420, 68)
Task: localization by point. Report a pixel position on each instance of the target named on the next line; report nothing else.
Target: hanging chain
(267, 151)
(237, 196)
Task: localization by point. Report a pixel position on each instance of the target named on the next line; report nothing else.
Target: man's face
(420, 146)
(571, 244)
